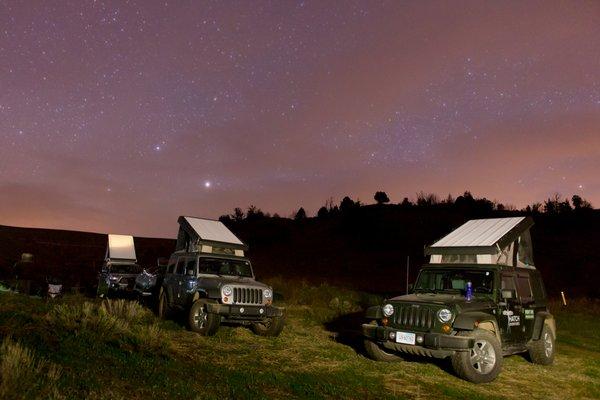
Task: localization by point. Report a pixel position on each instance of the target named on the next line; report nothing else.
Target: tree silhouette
(323, 212)
(381, 197)
(238, 214)
(300, 215)
(347, 204)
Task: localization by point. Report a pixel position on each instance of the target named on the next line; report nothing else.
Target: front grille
(247, 296)
(416, 317)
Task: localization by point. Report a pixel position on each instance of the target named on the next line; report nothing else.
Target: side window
(191, 265)
(539, 293)
(171, 266)
(524, 288)
(508, 283)
(180, 265)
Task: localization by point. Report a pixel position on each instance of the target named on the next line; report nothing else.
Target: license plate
(405, 337)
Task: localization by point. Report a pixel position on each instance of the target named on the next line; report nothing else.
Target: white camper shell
(207, 236)
(120, 249)
(503, 241)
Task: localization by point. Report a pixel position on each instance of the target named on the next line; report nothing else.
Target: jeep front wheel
(377, 353)
(270, 327)
(542, 351)
(201, 321)
(482, 362)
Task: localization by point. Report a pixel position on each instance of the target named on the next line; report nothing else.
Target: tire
(376, 352)
(163, 310)
(483, 362)
(201, 321)
(272, 327)
(542, 351)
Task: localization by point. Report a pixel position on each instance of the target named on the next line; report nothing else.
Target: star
(207, 184)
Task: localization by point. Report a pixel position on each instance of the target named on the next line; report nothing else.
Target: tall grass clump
(24, 376)
(324, 301)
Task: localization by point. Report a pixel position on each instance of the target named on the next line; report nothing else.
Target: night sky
(120, 116)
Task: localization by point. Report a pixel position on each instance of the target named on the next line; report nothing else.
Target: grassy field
(77, 348)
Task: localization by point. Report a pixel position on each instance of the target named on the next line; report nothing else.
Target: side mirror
(411, 287)
(190, 272)
(508, 294)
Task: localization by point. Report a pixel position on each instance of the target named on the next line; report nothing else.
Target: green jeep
(467, 308)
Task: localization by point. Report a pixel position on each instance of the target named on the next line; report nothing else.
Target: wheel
(376, 352)
(542, 351)
(201, 321)
(483, 362)
(271, 327)
(163, 309)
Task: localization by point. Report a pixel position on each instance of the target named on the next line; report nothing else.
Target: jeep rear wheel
(201, 321)
(163, 309)
(542, 351)
(482, 362)
(270, 327)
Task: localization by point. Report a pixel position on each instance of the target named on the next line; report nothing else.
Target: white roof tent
(504, 241)
(208, 236)
(120, 248)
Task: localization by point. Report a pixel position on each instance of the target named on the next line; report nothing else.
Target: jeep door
(178, 281)
(528, 302)
(510, 310)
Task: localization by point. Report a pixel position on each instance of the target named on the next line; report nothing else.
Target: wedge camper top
(503, 241)
(207, 236)
(120, 248)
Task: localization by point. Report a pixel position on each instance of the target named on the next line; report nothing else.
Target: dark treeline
(367, 246)
(347, 243)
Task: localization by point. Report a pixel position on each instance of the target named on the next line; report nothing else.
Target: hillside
(77, 348)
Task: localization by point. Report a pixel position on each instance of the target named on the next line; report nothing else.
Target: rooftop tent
(504, 241)
(120, 247)
(207, 235)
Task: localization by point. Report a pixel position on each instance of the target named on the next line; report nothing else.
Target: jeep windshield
(218, 266)
(454, 281)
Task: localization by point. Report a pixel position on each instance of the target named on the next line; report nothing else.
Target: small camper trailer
(120, 266)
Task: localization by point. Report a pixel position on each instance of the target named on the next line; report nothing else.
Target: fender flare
(469, 321)
(374, 312)
(542, 318)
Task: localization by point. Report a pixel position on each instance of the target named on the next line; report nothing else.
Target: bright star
(207, 184)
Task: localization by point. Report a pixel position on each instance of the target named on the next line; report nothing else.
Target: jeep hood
(444, 299)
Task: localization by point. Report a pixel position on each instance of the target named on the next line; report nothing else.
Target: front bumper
(250, 313)
(434, 344)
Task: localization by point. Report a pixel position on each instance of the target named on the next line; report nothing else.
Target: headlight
(113, 278)
(267, 293)
(388, 310)
(227, 290)
(444, 315)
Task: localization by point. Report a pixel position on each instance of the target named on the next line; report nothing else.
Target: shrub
(22, 375)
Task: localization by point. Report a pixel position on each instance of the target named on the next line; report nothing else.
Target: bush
(23, 376)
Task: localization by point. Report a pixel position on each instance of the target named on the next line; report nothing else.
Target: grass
(83, 348)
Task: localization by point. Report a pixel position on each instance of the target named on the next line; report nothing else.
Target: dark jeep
(117, 278)
(214, 288)
(212, 281)
(473, 313)
(120, 268)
